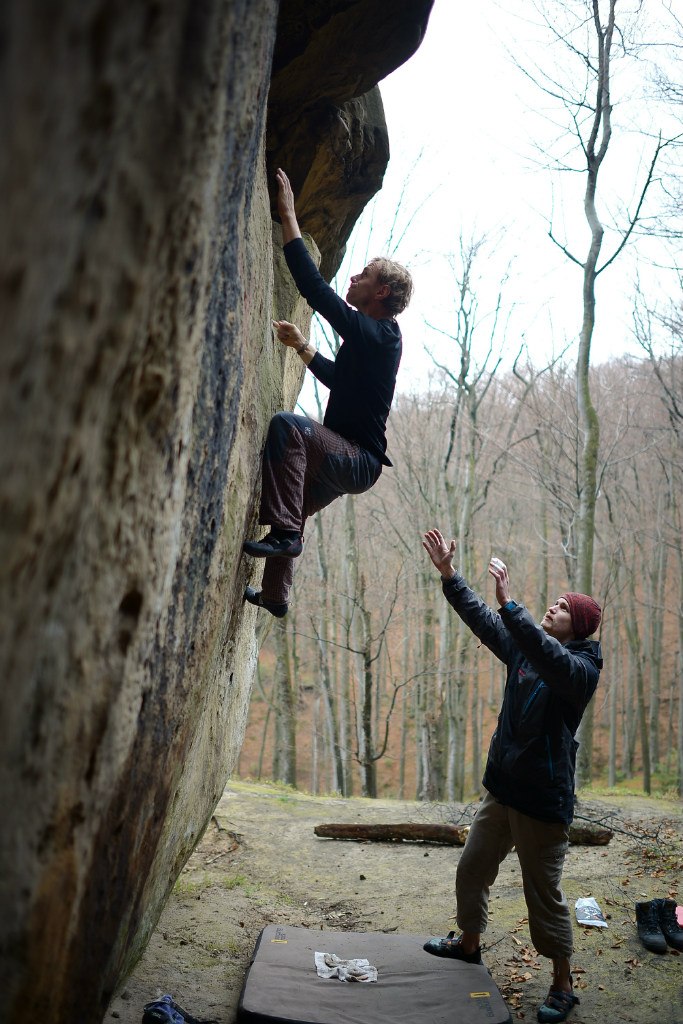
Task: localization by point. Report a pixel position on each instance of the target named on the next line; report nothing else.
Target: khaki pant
(541, 848)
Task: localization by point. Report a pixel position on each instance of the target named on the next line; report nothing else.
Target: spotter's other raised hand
(498, 570)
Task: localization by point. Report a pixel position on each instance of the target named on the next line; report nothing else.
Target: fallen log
(450, 835)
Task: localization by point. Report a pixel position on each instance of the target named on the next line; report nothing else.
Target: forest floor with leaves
(260, 863)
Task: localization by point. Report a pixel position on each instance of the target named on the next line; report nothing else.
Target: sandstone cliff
(138, 278)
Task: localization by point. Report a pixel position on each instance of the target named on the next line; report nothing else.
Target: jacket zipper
(532, 697)
(551, 768)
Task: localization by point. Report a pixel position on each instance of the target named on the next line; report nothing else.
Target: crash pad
(282, 985)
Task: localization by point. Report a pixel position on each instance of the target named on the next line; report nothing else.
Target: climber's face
(365, 289)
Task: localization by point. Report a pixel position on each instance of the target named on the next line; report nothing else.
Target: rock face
(138, 278)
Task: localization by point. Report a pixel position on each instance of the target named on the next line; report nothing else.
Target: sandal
(451, 947)
(557, 1006)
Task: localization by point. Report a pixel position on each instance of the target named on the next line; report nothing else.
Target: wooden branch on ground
(450, 835)
(639, 835)
(236, 837)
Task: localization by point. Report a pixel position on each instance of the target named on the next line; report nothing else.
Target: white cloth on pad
(329, 965)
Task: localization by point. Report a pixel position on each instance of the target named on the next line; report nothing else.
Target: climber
(306, 465)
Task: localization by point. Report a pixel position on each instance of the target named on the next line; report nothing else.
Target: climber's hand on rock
(285, 207)
(288, 334)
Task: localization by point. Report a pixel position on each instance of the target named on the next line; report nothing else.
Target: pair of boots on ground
(658, 925)
(558, 1004)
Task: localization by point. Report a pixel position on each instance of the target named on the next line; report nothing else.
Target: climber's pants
(305, 467)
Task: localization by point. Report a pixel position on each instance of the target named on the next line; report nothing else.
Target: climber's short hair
(398, 279)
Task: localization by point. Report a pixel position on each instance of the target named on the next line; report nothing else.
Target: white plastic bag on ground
(588, 912)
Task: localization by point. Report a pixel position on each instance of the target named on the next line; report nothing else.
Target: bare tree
(284, 749)
(590, 39)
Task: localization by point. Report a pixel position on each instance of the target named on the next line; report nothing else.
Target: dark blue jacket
(532, 756)
(362, 377)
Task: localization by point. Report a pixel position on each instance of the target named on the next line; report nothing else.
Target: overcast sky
(470, 136)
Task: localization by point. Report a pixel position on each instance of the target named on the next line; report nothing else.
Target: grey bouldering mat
(413, 987)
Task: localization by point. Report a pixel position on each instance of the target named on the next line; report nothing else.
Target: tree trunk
(425, 788)
(615, 675)
(315, 744)
(588, 421)
(405, 668)
(350, 615)
(679, 552)
(657, 600)
(632, 632)
(477, 727)
(429, 748)
(324, 637)
(266, 721)
(285, 719)
(368, 765)
(457, 718)
(342, 689)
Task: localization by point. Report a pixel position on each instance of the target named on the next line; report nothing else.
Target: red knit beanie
(585, 614)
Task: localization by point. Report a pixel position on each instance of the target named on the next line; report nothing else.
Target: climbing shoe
(275, 546)
(452, 948)
(668, 922)
(649, 930)
(166, 1011)
(274, 607)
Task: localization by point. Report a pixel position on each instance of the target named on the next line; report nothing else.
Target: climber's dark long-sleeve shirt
(362, 377)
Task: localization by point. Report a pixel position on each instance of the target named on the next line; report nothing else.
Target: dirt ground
(260, 863)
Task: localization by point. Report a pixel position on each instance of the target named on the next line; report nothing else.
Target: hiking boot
(274, 546)
(274, 607)
(649, 931)
(452, 948)
(668, 922)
